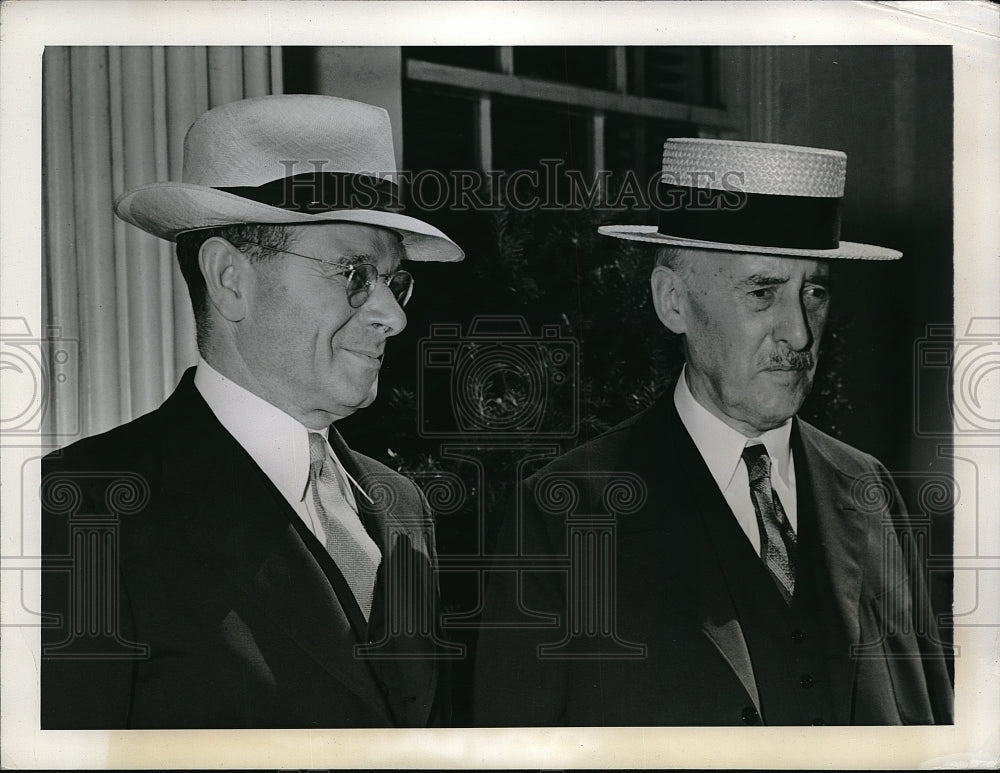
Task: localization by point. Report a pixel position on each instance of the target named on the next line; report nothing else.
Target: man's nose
(794, 325)
(383, 310)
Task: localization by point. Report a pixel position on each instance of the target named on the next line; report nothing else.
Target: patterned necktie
(777, 540)
(353, 550)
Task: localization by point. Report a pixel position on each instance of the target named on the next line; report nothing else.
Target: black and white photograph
(536, 395)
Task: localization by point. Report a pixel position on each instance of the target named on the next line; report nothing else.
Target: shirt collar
(278, 443)
(720, 445)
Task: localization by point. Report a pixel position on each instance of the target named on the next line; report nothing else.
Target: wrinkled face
(753, 324)
(308, 351)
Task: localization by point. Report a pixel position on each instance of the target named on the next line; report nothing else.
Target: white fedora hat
(295, 159)
(751, 197)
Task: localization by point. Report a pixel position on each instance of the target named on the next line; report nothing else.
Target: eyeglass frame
(350, 267)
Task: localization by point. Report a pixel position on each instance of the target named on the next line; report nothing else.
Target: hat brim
(845, 251)
(168, 209)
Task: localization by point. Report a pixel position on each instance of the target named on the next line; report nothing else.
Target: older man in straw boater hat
(749, 569)
(263, 574)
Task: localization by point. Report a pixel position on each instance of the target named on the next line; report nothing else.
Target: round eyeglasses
(361, 278)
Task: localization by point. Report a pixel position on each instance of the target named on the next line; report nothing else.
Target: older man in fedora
(260, 571)
(748, 575)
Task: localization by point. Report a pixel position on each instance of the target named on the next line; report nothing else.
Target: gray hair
(189, 244)
(675, 258)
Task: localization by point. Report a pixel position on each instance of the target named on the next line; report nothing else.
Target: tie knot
(758, 462)
(317, 451)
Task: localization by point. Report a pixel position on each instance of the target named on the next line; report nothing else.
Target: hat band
(757, 219)
(315, 192)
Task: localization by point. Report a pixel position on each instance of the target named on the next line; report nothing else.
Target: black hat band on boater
(760, 219)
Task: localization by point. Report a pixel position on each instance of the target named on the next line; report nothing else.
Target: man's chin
(346, 407)
(779, 400)
(778, 413)
(369, 398)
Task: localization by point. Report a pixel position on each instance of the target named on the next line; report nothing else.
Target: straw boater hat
(751, 197)
(292, 159)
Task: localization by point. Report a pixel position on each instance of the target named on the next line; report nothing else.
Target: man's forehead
(340, 240)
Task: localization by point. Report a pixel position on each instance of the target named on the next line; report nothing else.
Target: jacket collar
(219, 492)
(682, 545)
(845, 540)
(670, 541)
(406, 658)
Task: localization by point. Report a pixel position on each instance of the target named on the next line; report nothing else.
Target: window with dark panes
(473, 57)
(577, 65)
(594, 107)
(678, 74)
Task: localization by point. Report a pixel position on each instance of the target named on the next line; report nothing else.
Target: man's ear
(227, 275)
(668, 298)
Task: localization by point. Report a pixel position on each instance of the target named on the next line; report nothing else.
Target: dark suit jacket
(204, 601)
(670, 592)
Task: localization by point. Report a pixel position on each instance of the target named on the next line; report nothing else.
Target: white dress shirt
(721, 447)
(278, 443)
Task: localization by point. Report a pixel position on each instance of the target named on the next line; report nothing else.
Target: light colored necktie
(777, 539)
(353, 550)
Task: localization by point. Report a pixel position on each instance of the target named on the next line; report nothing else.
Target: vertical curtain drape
(114, 118)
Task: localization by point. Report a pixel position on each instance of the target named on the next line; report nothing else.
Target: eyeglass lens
(363, 279)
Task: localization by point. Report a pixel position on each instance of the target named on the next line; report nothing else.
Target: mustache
(790, 360)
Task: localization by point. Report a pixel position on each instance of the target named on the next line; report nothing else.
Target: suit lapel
(844, 541)
(234, 516)
(716, 610)
(682, 494)
(681, 485)
(403, 655)
(372, 516)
